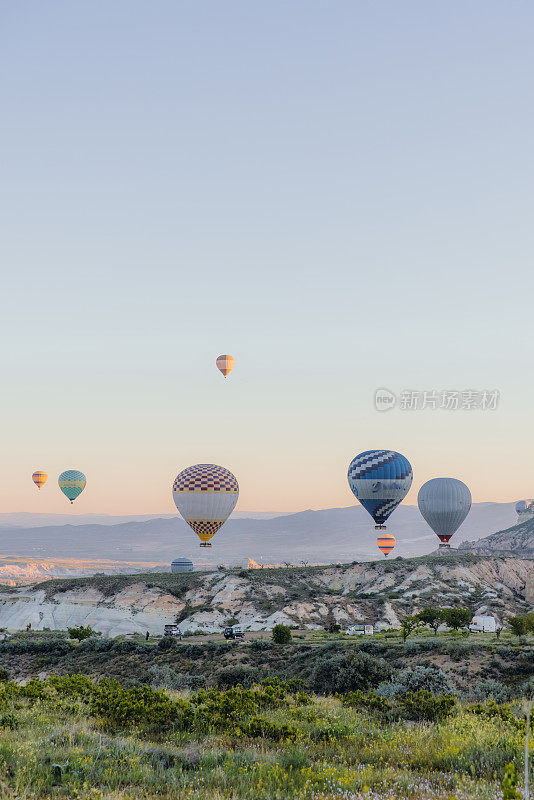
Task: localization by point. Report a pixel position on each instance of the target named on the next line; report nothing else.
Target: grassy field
(323, 717)
(72, 738)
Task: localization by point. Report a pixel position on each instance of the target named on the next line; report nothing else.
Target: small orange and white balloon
(39, 478)
(225, 364)
(386, 542)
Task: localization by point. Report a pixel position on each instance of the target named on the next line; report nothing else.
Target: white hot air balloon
(444, 503)
(205, 495)
(524, 509)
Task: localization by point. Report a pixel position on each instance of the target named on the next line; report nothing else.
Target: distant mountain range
(27, 519)
(329, 536)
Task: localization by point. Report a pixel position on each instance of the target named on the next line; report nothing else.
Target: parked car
(483, 624)
(171, 630)
(234, 632)
(360, 630)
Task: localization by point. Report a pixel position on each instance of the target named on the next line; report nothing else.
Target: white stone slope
(260, 600)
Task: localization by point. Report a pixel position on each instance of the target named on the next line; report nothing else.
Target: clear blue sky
(338, 194)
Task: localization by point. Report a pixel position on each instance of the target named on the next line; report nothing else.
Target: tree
(408, 625)
(433, 617)
(330, 623)
(281, 634)
(457, 618)
(81, 633)
(519, 625)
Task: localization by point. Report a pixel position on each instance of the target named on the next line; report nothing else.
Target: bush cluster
(346, 672)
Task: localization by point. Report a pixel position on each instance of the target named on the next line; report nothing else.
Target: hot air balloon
(524, 507)
(39, 478)
(444, 503)
(225, 364)
(72, 483)
(386, 542)
(205, 495)
(380, 480)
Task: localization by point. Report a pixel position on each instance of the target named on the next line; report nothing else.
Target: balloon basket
(205, 544)
(380, 527)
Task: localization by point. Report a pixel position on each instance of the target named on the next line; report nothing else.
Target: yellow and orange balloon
(386, 542)
(225, 364)
(39, 477)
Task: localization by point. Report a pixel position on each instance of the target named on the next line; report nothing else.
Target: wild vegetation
(71, 737)
(437, 717)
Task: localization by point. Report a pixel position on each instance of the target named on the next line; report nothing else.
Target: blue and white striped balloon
(380, 480)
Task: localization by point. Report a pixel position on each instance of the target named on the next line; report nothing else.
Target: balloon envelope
(225, 364)
(205, 495)
(380, 480)
(72, 483)
(386, 542)
(39, 478)
(522, 506)
(444, 503)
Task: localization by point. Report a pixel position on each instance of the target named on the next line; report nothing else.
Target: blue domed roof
(182, 564)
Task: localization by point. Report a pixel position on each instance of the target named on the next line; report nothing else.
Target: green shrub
(166, 643)
(348, 672)
(119, 707)
(259, 645)
(281, 634)
(71, 685)
(490, 688)
(238, 675)
(414, 679)
(10, 721)
(80, 632)
(164, 677)
(509, 783)
(371, 701)
(423, 706)
(519, 625)
(53, 645)
(258, 727)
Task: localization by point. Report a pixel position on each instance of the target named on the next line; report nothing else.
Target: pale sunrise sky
(338, 194)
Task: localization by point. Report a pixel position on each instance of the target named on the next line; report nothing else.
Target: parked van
(171, 630)
(360, 630)
(483, 624)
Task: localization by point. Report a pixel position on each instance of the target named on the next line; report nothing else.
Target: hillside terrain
(381, 592)
(515, 541)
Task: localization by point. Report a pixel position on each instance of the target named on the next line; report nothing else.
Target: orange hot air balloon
(225, 364)
(39, 478)
(386, 542)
